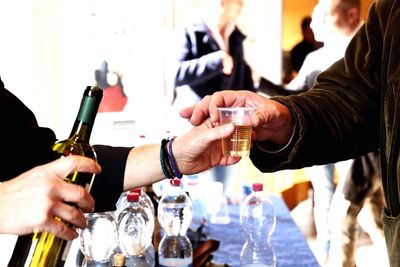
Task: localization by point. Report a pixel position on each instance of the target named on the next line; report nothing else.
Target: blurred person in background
(208, 57)
(208, 54)
(334, 23)
(299, 52)
(358, 201)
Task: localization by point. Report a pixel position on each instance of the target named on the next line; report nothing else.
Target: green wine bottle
(45, 249)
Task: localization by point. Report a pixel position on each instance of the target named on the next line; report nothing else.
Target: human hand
(227, 62)
(271, 120)
(31, 202)
(200, 148)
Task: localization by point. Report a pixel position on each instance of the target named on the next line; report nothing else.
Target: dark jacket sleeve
(24, 144)
(196, 62)
(108, 185)
(340, 117)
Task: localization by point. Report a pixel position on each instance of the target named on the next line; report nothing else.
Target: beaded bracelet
(164, 160)
(175, 170)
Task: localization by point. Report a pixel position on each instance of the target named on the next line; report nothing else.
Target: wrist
(271, 147)
(167, 159)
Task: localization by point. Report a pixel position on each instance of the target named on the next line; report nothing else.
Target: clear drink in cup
(239, 143)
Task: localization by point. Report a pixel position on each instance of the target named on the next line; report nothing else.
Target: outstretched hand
(31, 202)
(271, 120)
(200, 148)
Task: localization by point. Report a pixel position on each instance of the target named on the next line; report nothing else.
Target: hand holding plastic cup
(239, 143)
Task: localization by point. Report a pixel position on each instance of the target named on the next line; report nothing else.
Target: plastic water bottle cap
(136, 190)
(257, 187)
(133, 197)
(175, 182)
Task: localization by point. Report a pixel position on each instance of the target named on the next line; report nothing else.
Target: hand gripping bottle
(45, 249)
(175, 216)
(257, 219)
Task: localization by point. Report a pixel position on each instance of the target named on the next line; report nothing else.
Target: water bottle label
(172, 262)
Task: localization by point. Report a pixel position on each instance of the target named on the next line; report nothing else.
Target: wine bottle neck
(87, 113)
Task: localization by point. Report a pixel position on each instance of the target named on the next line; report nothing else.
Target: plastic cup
(239, 143)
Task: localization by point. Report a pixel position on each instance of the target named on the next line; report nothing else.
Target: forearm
(330, 126)
(193, 152)
(123, 169)
(143, 166)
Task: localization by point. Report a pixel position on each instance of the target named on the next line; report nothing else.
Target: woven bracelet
(164, 160)
(175, 170)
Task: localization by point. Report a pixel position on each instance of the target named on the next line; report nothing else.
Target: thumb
(220, 132)
(257, 119)
(187, 112)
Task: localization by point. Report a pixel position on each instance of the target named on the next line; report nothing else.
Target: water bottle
(257, 219)
(148, 206)
(145, 200)
(149, 256)
(132, 230)
(175, 216)
(98, 240)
